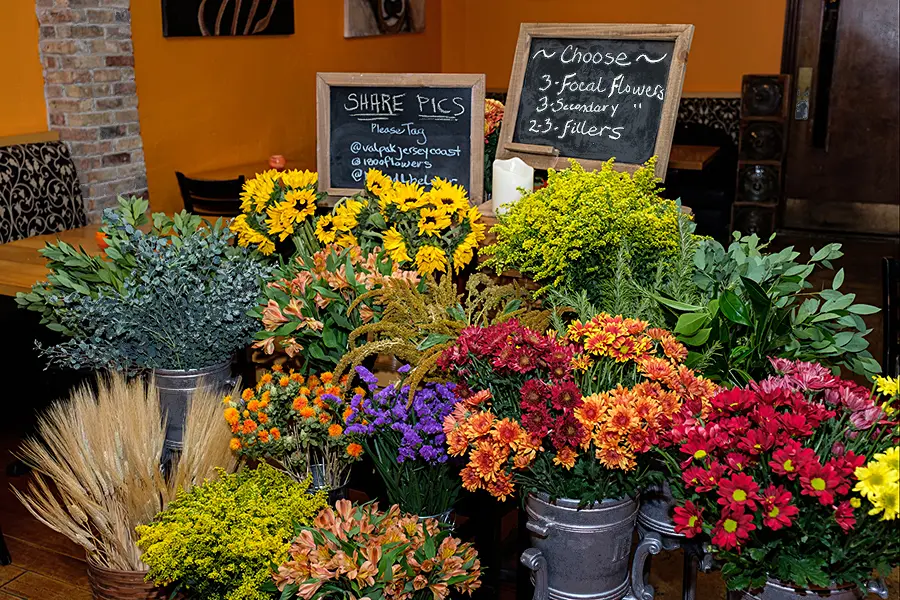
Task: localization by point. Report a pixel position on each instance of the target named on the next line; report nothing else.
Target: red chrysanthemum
(738, 492)
(732, 530)
(736, 461)
(565, 396)
(756, 441)
(820, 481)
(534, 394)
(790, 459)
(843, 514)
(536, 422)
(703, 480)
(567, 431)
(776, 507)
(688, 519)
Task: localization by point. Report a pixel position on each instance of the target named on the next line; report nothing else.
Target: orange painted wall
(22, 106)
(213, 103)
(730, 38)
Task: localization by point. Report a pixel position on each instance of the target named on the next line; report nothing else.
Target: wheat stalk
(96, 465)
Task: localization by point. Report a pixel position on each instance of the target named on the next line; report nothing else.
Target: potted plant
(430, 232)
(170, 296)
(313, 302)
(94, 484)
(297, 422)
(406, 442)
(571, 421)
(220, 539)
(276, 206)
(793, 480)
(359, 552)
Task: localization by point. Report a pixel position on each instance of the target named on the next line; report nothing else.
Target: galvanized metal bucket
(175, 391)
(775, 590)
(580, 554)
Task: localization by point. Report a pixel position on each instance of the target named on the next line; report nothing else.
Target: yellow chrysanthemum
(873, 477)
(406, 196)
(395, 246)
(430, 259)
(890, 457)
(887, 503)
(888, 386)
(299, 179)
(377, 182)
(432, 221)
(449, 197)
(325, 230)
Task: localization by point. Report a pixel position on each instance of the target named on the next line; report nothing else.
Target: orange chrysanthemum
(487, 459)
(267, 378)
(354, 450)
(501, 486)
(299, 403)
(457, 442)
(478, 424)
(622, 417)
(590, 411)
(249, 426)
(284, 381)
(307, 412)
(235, 444)
(508, 432)
(232, 415)
(565, 457)
(253, 406)
(275, 433)
(335, 430)
(247, 394)
(262, 417)
(470, 479)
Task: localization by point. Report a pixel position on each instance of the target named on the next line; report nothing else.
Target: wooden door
(844, 144)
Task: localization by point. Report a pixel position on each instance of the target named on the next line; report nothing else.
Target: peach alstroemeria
(272, 316)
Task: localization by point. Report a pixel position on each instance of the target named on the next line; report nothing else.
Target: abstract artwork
(380, 17)
(198, 18)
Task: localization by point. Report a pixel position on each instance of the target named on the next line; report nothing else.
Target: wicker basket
(124, 585)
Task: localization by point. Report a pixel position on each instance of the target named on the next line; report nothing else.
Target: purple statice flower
(415, 430)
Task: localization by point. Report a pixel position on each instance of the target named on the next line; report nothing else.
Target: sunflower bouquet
(793, 478)
(275, 206)
(571, 416)
(295, 421)
(433, 231)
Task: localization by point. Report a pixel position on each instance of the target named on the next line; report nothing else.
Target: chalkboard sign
(595, 92)
(411, 127)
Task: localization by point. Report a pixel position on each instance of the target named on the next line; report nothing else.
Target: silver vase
(176, 387)
(579, 554)
(775, 590)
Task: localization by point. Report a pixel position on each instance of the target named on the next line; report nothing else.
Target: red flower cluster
(763, 434)
(510, 348)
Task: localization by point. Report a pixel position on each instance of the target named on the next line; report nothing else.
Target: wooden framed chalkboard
(594, 92)
(413, 127)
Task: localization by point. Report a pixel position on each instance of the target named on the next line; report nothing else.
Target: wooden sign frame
(324, 81)
(547, 157)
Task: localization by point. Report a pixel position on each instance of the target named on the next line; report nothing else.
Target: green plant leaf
(733, 308)
(689, 323)
(838, 280)
(697, 339)
(433, 339)
(757, 295)
(863, 309)
(839, 303)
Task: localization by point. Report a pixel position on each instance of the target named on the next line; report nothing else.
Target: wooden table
(248, 170)
(21, 265)
(691, 158)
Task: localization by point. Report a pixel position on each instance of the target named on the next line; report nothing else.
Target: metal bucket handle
(877, 587)
(535, 561)
(640, 588)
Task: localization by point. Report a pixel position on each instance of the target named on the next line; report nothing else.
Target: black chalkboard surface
(595, 92)
(411, 132)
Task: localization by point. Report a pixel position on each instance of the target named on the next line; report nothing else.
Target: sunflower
(430, 259)
(303, 201)
(395, 246)
(473, 215)
(258, 191)
(299, 179)
(377, 182)
(448, 197)
(346, 240)
(432, 221)
(406, 196)
(325, 231)
(345, 214)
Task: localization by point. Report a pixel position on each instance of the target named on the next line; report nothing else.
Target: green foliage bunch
(171, 294)
(751, 304)
(569, 233)
(218, 541)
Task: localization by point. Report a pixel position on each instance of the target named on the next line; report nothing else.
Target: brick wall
(88, 61)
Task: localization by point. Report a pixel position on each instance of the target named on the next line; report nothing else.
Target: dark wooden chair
(891, 364)
(218, 198)
(5, 558)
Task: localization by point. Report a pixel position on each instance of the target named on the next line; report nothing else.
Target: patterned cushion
(39, 191)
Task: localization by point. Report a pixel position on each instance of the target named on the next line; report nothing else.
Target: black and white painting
(364, 18)
(200, 18)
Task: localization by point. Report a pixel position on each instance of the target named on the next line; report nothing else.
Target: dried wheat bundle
(96, 464)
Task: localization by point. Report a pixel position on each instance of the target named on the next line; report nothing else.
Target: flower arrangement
(360, 552)
(406, 441)
(296, 421)
(770, 472)
(94, 485)
(749, 304)
(276, 205)
(571, 417)
(312, 303)
(493, 118)
(174, 297)
(434, 231)
(569, 233)
(218, 541)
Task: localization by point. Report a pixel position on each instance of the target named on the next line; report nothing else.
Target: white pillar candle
(509, 176)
